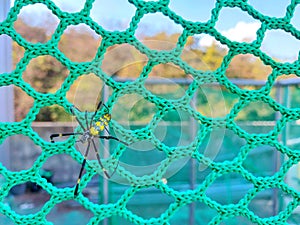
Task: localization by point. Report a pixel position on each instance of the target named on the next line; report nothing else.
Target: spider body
(91, 129)
(100, 125)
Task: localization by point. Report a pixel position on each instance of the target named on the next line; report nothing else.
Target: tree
(247, 66)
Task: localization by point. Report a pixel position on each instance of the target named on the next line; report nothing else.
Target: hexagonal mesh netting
(163, 106)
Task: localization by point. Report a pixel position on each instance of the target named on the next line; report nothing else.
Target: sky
(233, 23)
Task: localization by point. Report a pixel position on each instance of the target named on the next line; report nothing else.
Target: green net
(163, 106)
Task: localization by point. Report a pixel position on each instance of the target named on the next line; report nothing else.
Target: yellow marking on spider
(107, 117)
(100, 125)
(94, 131)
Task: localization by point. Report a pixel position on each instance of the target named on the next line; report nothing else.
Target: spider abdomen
(98, 127)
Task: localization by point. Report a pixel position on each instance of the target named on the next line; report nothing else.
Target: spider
(91, 129)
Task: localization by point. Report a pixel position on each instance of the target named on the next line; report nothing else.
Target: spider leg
(73, 106)
(107, 130)
(97, 109)
(72, 111)
(99, 161)
(62, 135)
(99, 106)
(81, 170)
(105, 106)
(86, 120)
(112, 137)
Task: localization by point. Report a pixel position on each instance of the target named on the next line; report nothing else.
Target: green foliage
(45, 68)
(213, 56)
(53, 113)
(133, 108)
(246, 66)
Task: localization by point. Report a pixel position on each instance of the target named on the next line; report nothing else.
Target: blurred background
(124, 63)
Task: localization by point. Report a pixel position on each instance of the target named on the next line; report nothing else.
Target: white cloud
(206, 40)
(241, 32)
